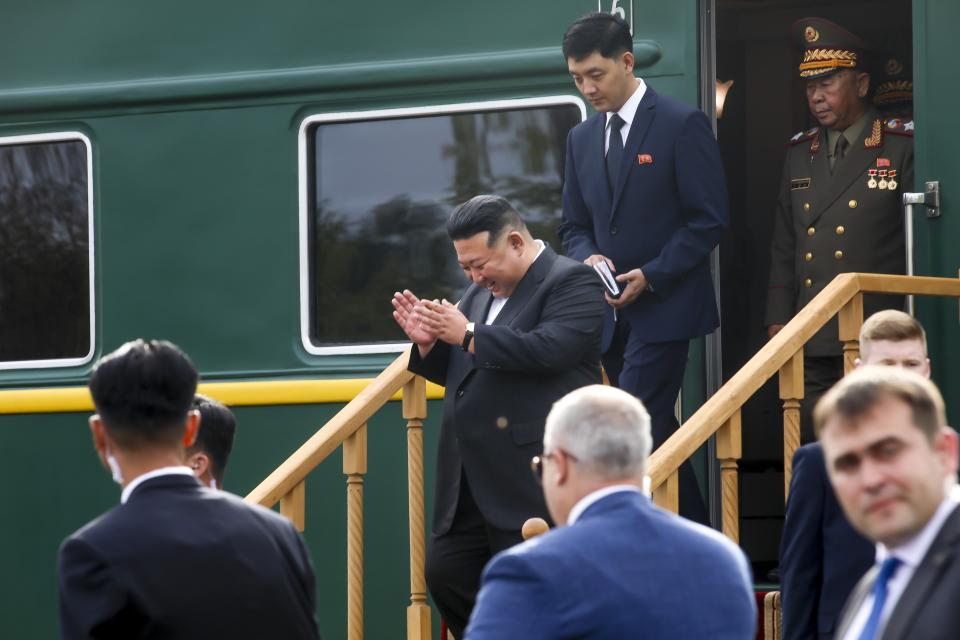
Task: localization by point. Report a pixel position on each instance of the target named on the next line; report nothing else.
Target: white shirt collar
(629, 108)
(591, 498)
(497, 304)
(913, 550)
(149, 475)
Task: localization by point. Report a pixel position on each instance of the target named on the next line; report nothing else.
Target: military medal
(892, 183)
(872, 182)
(883, 179)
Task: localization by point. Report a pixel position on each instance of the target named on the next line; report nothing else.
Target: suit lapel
(855, 601)
(477, 306)
(596, 151)
(938, 558)
(642, 119)
(526, 287)
(847, 171)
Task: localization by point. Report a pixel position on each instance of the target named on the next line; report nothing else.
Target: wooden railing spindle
(414, 412)
(729, 452)
(791, 392)
(355, 467)
(667, 495)
(293, 506)
(851, 319)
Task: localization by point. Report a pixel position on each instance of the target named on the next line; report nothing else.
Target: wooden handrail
(354, 415)
(718, 409)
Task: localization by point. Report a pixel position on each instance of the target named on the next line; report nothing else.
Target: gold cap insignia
(893, 67)
(811, 34)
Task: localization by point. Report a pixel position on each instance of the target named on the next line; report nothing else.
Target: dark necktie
(841, 151)
(879, 591)
(614, 151)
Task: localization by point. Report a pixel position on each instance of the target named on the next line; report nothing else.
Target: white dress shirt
(498, 303)
(911, 554)
(596, 496)
(627, 112)
(156, 473)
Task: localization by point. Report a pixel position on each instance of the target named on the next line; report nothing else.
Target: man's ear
(628, 61)
(99, 435)
(857, 362)
(863, 84)
(948, 444)
(516, 241)
(199, 462)
(192, 428)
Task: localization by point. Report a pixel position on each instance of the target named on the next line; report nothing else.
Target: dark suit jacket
(821, 556)
(928, 607)
(544, 343)
(181, 561)
(864, 225)
(624, 569)
(665, 215)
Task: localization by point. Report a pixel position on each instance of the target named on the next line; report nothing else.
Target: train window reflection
(45, 284)
(381, 190)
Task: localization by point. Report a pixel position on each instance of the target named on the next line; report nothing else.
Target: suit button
(811, 231)
(852, 204)
(460, 393)
(614, 231)
(838, 255)
(806, 206)
(808, 283)
(840, 230)
(808, 257)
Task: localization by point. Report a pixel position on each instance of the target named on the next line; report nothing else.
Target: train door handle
(930, 198)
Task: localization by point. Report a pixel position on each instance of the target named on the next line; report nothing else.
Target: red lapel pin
(644, 158)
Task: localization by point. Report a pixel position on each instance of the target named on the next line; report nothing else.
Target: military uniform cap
(894, 85)
(827, 48)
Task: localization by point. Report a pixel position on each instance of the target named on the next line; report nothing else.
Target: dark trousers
(455, 560)
(653, 372)
(819, 374)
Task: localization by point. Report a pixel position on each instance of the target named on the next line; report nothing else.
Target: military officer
(839, 205)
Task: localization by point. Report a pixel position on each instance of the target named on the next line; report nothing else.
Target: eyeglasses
(536, 462)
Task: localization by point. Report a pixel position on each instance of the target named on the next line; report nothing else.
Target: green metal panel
(936, 94)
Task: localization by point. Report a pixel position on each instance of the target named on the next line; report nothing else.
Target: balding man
(621, 567)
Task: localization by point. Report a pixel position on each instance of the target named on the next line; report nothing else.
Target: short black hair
(602, 33)
(143, 390)
(218, 426)
(483, 213)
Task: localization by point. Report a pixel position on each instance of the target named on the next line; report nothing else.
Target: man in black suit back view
(174, 559)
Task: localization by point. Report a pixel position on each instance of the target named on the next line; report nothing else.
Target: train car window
(46, 311)
(381, 188)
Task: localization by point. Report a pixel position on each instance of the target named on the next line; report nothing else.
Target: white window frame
(65, 136)
(303, 179)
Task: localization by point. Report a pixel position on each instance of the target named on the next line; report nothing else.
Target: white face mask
(114, 468)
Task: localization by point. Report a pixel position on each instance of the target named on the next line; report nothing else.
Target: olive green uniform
(844, 220)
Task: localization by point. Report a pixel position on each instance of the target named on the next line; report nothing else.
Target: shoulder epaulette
(803, 136)
(898, 127)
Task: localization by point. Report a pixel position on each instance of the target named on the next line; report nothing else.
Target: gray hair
(607, 430)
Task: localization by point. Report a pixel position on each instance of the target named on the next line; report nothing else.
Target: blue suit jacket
(625, 569)
(667, 213)
(821, 556)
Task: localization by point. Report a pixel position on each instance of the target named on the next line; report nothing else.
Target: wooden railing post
(414, 412)
(851, 319)
(791, 392)
(729, 451)
(355, 467)
(293, 505)
(667, 495)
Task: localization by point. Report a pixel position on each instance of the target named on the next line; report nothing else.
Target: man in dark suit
(892, 462)
(644, 192)
(839, 208)
(821, 555)
(175, 559)
(209, 454)
(526, 332)
(621, 567)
